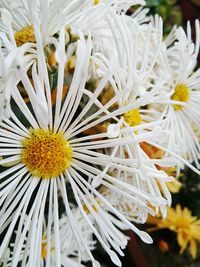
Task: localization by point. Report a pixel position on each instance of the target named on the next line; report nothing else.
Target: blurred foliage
(169, 10)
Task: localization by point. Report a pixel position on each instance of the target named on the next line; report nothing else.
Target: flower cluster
(83, 89)
(186, 226)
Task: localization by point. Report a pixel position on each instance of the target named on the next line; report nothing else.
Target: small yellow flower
(186, 226)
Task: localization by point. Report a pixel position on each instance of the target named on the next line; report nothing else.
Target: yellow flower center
(44, 248)
(96, 2)
(26, 35)
(133, 117)
(46, 154)
(95, 209)
(181, 94)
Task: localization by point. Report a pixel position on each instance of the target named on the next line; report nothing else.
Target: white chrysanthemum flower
(148, 74)
(133, 84)
(19, 17)
(72, 251)
(50, 149)
(97, 218)
(20, 22)
(143, 174)
(180, 101)
(76, 247)
(46, 146)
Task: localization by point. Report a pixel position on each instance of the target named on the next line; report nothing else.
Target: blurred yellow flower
(184, 224)
(174, 186)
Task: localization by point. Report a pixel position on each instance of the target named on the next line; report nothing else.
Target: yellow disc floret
(96, 2)
(181, 94)
(44, 248)
(133, 117)
(46, 154)
(26, 35)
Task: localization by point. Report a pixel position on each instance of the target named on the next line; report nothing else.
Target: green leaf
(153, 3)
